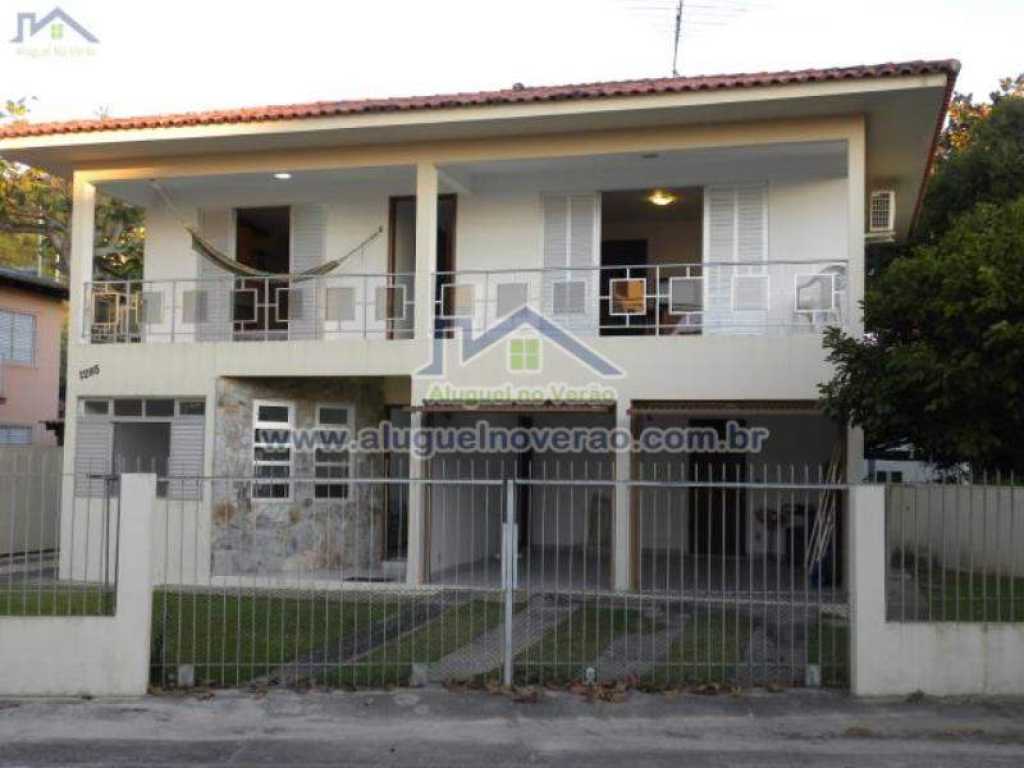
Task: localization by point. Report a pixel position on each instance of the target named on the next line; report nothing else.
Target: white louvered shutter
(216, 225)
(308, 247)
(94, 450)
(24, 346)
(186, 457)
(572, 239)
(736, 296)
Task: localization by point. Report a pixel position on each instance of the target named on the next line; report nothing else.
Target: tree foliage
(35, 207)
(942, 364)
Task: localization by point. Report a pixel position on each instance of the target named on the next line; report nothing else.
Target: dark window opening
(262, 241)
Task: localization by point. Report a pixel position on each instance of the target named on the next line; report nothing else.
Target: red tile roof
(516, 95)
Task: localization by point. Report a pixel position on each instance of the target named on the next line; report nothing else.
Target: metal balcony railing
(758, 298)
(684, 299)
(277, 308)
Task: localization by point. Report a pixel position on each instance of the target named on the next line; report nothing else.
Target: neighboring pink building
(32, 312)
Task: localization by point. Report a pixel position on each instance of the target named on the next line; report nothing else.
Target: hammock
(207, 250)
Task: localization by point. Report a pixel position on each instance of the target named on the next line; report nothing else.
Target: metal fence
(379, 581)
(955, 552)
(730, 582)
(57, 558)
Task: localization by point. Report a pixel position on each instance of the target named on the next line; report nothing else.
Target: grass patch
(565, 649)
(391, 664)
(34, 600)
(950, 595)
(828, 644)
(234, 638)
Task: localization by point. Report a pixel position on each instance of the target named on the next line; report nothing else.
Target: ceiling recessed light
(282, 176)
(661, 197)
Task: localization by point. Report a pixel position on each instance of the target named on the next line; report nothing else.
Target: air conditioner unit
(882, 211)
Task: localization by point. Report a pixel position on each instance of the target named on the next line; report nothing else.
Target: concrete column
(83, 222)
(856, 169)
(426, 246)
(135, 582)
(866, 555)
(416, 559)
(856, 202)
(622, 540)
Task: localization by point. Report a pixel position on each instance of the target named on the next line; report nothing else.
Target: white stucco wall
(95, 655)
(897, 658)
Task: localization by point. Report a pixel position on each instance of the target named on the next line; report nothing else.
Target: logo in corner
(57, 33)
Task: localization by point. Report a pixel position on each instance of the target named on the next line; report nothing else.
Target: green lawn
(233, 638)
(828, 645)
(391, 664)
(963, 596)
(32, 600)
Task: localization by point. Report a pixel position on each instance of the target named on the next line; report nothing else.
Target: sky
(188, 55)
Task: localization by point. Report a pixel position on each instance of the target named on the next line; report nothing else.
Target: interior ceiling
(633, 205)
(624, 171)
(634, 170)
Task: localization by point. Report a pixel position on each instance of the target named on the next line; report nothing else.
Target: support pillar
(426, 247)
(416, 557)
(622, 539)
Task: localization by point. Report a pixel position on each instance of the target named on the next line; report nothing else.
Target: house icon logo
(55, 27)
(523, 354)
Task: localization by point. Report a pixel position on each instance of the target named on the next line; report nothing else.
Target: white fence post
(867, 583)
(135, 580)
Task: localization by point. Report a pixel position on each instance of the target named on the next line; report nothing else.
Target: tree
(37, 206)
(942, 363)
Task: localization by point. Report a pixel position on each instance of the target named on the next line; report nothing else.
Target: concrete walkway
(486, 652)
(431, 726)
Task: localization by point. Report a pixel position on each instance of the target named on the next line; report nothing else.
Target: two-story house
(679, 246)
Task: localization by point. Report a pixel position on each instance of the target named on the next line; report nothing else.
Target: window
(17, 337)
(272, 449)
(14, 434)
(191, 408)
(127, 407)
(523, 355)
(333, 461)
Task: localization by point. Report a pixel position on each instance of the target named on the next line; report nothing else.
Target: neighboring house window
(333, 461)
(14, 434)
(273, 422)
(17, 337)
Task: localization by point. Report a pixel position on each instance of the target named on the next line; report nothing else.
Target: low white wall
(893, 658)
(95, 655)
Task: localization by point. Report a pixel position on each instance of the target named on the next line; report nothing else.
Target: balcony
(278, 308)
(684, 299)
(677, 300)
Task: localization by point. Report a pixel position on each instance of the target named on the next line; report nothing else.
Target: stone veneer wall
(318, 537)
